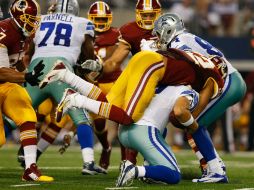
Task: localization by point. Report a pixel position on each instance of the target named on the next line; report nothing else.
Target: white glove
(92, 65)
(148, 45)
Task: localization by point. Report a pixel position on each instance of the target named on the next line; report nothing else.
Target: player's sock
(40, 120)
(85, 139)
(203, 163)
(87, 155)
(48, 136)
(131, 155)
(84, 87)
(141, 171)
(101, 132)
(123, 151)
(204, 143)
(28, 138)
(162, 173)
(215, 167)
(103, 109)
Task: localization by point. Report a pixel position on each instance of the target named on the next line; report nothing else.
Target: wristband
(189, 122)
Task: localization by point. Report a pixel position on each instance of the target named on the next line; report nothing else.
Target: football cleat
(105, 158)
(212, 178)
(33, 174)
(56, 73)
(89, 168)
(128, 172)
(151, 181)
(223, 166)
(64, 104)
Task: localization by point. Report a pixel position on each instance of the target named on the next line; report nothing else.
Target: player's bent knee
(176, 178)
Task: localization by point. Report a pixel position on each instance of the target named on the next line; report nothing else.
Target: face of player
(148, 18)
(100, 22)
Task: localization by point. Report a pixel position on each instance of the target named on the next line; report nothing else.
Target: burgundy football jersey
(14, 41)
(182, 70)
(132, 34)
(103, 41)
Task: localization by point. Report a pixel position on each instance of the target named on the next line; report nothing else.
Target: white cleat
(56, 73)
(66, 103)
(212, 178)
(128, 172)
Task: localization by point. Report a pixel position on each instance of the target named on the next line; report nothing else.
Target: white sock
(87, 154)
(30, 155)
(141, 171)
(87, 103)
(199, 155)
(42, 145)
(214, 166)
(78, 83)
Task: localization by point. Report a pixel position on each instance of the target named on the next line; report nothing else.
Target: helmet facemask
(101, 23)
(146, 18)
(30, 24)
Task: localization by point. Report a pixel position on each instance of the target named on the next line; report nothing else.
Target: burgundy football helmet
(101, 16)
(26, 14)
(147, 11)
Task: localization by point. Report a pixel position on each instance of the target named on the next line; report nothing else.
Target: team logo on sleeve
(89, 26)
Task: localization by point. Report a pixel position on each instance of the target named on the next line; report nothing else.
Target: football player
(146, 136)
(63, 37)
(14, 35)
(172, 34)
(106, 41)
(135, 92)
(131, 35)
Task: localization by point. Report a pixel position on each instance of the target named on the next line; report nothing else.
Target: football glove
(66, 142)
(92, 65)
(33, 77)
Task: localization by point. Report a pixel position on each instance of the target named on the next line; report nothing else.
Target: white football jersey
(61, 35)
(187, 41)
(157, 113)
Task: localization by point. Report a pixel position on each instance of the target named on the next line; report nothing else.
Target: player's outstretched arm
(114, 62)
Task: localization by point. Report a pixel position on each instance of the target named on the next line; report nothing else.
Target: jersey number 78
(62, 33)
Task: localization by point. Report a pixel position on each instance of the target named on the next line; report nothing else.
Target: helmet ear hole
(169, 31)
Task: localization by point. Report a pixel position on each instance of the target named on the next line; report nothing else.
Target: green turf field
(66, 169)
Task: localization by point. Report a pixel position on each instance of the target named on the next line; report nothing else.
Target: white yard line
(25, 185)
(116, 188)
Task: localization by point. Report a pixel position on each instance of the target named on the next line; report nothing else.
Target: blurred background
(228, 25)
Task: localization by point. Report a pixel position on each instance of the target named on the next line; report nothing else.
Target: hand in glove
(92, 65)
(148, 45)
(33, 77)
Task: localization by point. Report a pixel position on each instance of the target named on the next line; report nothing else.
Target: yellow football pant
(135, 87)
(16, 104)
(47, 108)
